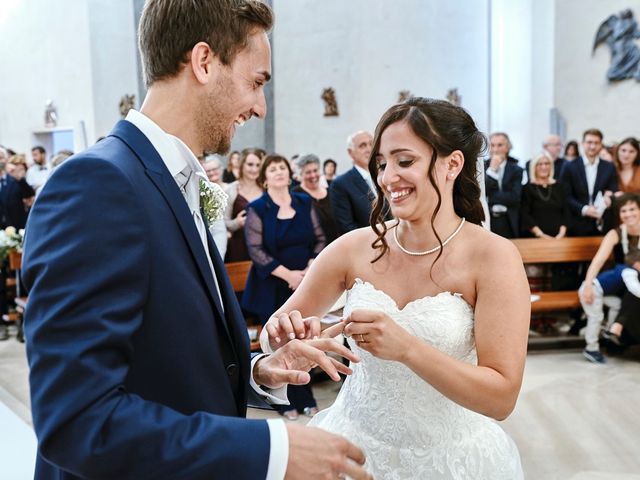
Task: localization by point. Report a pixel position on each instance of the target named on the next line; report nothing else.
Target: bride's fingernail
(292, 336)
(301, 335)
(315, 337)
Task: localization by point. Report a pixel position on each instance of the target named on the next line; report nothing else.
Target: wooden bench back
(551, 250)
(238, 273)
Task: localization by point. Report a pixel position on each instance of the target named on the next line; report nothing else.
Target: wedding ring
(361, 338)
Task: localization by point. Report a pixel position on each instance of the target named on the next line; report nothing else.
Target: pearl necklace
(431, 250)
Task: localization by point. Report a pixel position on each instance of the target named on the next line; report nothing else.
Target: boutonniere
(213, 200)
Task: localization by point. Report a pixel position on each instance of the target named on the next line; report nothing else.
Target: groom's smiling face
(237, 94)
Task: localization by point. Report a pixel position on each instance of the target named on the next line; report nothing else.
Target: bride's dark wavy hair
(445, 128)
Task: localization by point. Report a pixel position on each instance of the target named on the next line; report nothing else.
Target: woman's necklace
(541, 189)
(431, 250)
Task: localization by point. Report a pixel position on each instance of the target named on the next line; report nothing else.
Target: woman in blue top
(283, 235)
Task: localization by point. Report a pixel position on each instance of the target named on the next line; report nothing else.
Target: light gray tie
(190, 188)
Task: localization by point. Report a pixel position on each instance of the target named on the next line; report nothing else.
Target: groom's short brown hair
(170, 28)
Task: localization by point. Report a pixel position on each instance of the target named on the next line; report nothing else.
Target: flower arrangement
(10, 239)
(213, 200)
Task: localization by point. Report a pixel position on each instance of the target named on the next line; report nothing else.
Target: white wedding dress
(407, 429)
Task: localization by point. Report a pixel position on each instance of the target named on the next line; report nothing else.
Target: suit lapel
(361, 184)
(599, 183)
(164, 182)
(582, 174)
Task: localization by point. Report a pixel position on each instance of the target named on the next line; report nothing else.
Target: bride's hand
(378, 334)
(284, 327)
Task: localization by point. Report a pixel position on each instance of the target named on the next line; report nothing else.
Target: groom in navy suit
(139, 356)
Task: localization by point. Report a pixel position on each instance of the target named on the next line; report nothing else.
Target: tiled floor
(574, 420)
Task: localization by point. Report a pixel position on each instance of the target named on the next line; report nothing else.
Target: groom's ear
(203, 63)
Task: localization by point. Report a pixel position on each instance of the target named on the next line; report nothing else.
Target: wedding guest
(589, 183)
(283, 235)
(39, 171)
(353, 192)
(17, 166)
(232, 172)
(213, 168)
(544, 213)
(241, 192)
(571, 151)
(627, 162)
(611, 282)
(329, 170)
(309, 167)
(503, 184)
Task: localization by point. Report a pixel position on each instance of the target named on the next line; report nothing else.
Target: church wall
(368, 53)
(80, 54)
(582, 93)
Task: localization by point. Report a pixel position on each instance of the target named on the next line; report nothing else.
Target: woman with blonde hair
(545, 212)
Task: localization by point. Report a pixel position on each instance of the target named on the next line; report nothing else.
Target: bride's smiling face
(403, 173)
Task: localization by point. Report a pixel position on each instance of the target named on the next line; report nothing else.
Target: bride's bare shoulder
(489, 250)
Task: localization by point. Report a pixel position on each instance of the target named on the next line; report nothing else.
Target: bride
(437, 309)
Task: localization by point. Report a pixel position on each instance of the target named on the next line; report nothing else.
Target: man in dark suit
(138, 351)
(353, 192)
(15, 196)
(589, 182)
(503, 185)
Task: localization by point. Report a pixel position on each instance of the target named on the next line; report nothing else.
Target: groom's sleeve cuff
(279, 451)
(276, 396)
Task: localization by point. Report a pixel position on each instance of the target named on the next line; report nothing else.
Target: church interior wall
(582, 94)
(368, 53)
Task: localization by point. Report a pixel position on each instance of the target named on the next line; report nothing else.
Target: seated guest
(625, 330)
(503, 186)
(589, 183)
(283, 235)
(241, 192)
(353, 192)
(597, 285)
(232, 172)
(329, 169)
(627, 162)
(571, 151)
(545, 213)
(309, 168)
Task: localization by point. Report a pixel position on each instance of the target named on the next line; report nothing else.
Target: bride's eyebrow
(400, 150)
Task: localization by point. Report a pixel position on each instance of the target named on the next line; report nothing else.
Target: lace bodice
(407, 428)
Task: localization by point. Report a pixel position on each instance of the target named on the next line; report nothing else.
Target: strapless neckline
(447, 294)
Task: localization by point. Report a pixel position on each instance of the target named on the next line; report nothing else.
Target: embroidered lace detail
(407, 428)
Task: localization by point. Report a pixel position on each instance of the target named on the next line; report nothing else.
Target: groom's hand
(317, 454)
(291, 363)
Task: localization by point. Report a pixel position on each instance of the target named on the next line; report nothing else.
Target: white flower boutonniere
(213, 200)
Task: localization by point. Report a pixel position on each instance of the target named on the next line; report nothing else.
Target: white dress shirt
(37, 175)
(591, 171)
(176, 156)
(498, 176)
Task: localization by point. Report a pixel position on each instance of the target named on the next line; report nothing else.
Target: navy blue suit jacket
(574, 178)
(510, 193)
(12, 210)
(351, 201)
(136, 372)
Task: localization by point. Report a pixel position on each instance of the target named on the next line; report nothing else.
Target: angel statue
(127, 102)
(620, 31)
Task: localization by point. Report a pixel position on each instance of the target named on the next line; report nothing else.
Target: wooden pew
(238, 273)
(549, 250)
